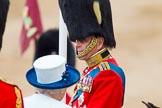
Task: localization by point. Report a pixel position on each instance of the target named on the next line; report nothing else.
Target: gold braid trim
(19, 98)
(104, 66)
(91, 45)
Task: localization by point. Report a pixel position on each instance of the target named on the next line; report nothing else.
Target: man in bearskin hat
(89, 23)
(11, 96)
(48, 43)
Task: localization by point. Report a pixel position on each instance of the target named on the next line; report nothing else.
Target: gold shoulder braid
(17, 92)
(19, 98)
(89, 48)
(99, 57)
(104, 66)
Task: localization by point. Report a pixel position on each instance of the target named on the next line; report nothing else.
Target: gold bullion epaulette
(104, 66)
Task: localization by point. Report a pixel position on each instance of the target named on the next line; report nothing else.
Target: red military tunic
(107, 90)
(10, 95)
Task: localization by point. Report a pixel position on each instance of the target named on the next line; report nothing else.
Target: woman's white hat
(51, 72)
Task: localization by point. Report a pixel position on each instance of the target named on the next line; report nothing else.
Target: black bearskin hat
(88, 17)
(48, 43)
(4, 7)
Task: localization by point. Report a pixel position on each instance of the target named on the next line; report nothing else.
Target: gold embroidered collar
(97, 58)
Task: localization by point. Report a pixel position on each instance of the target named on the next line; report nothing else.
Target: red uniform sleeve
(11, 96)
(107, 91)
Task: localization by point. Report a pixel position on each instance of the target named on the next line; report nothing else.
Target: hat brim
(73, 77)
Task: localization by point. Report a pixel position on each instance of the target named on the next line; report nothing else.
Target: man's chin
(83, 57)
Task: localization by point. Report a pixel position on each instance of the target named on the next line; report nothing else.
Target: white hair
(50, 91)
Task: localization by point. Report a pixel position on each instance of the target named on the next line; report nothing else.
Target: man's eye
(81, 40)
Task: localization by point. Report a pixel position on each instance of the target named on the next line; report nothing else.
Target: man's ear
(100, 42)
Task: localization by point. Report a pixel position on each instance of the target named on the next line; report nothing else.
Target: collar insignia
(101, 56)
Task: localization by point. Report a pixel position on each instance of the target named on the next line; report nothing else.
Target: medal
(85, 84)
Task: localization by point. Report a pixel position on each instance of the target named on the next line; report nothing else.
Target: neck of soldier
(98, 57)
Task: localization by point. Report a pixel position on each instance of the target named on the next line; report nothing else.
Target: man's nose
(77, 43)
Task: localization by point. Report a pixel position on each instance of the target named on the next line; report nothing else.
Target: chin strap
(91, 45)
